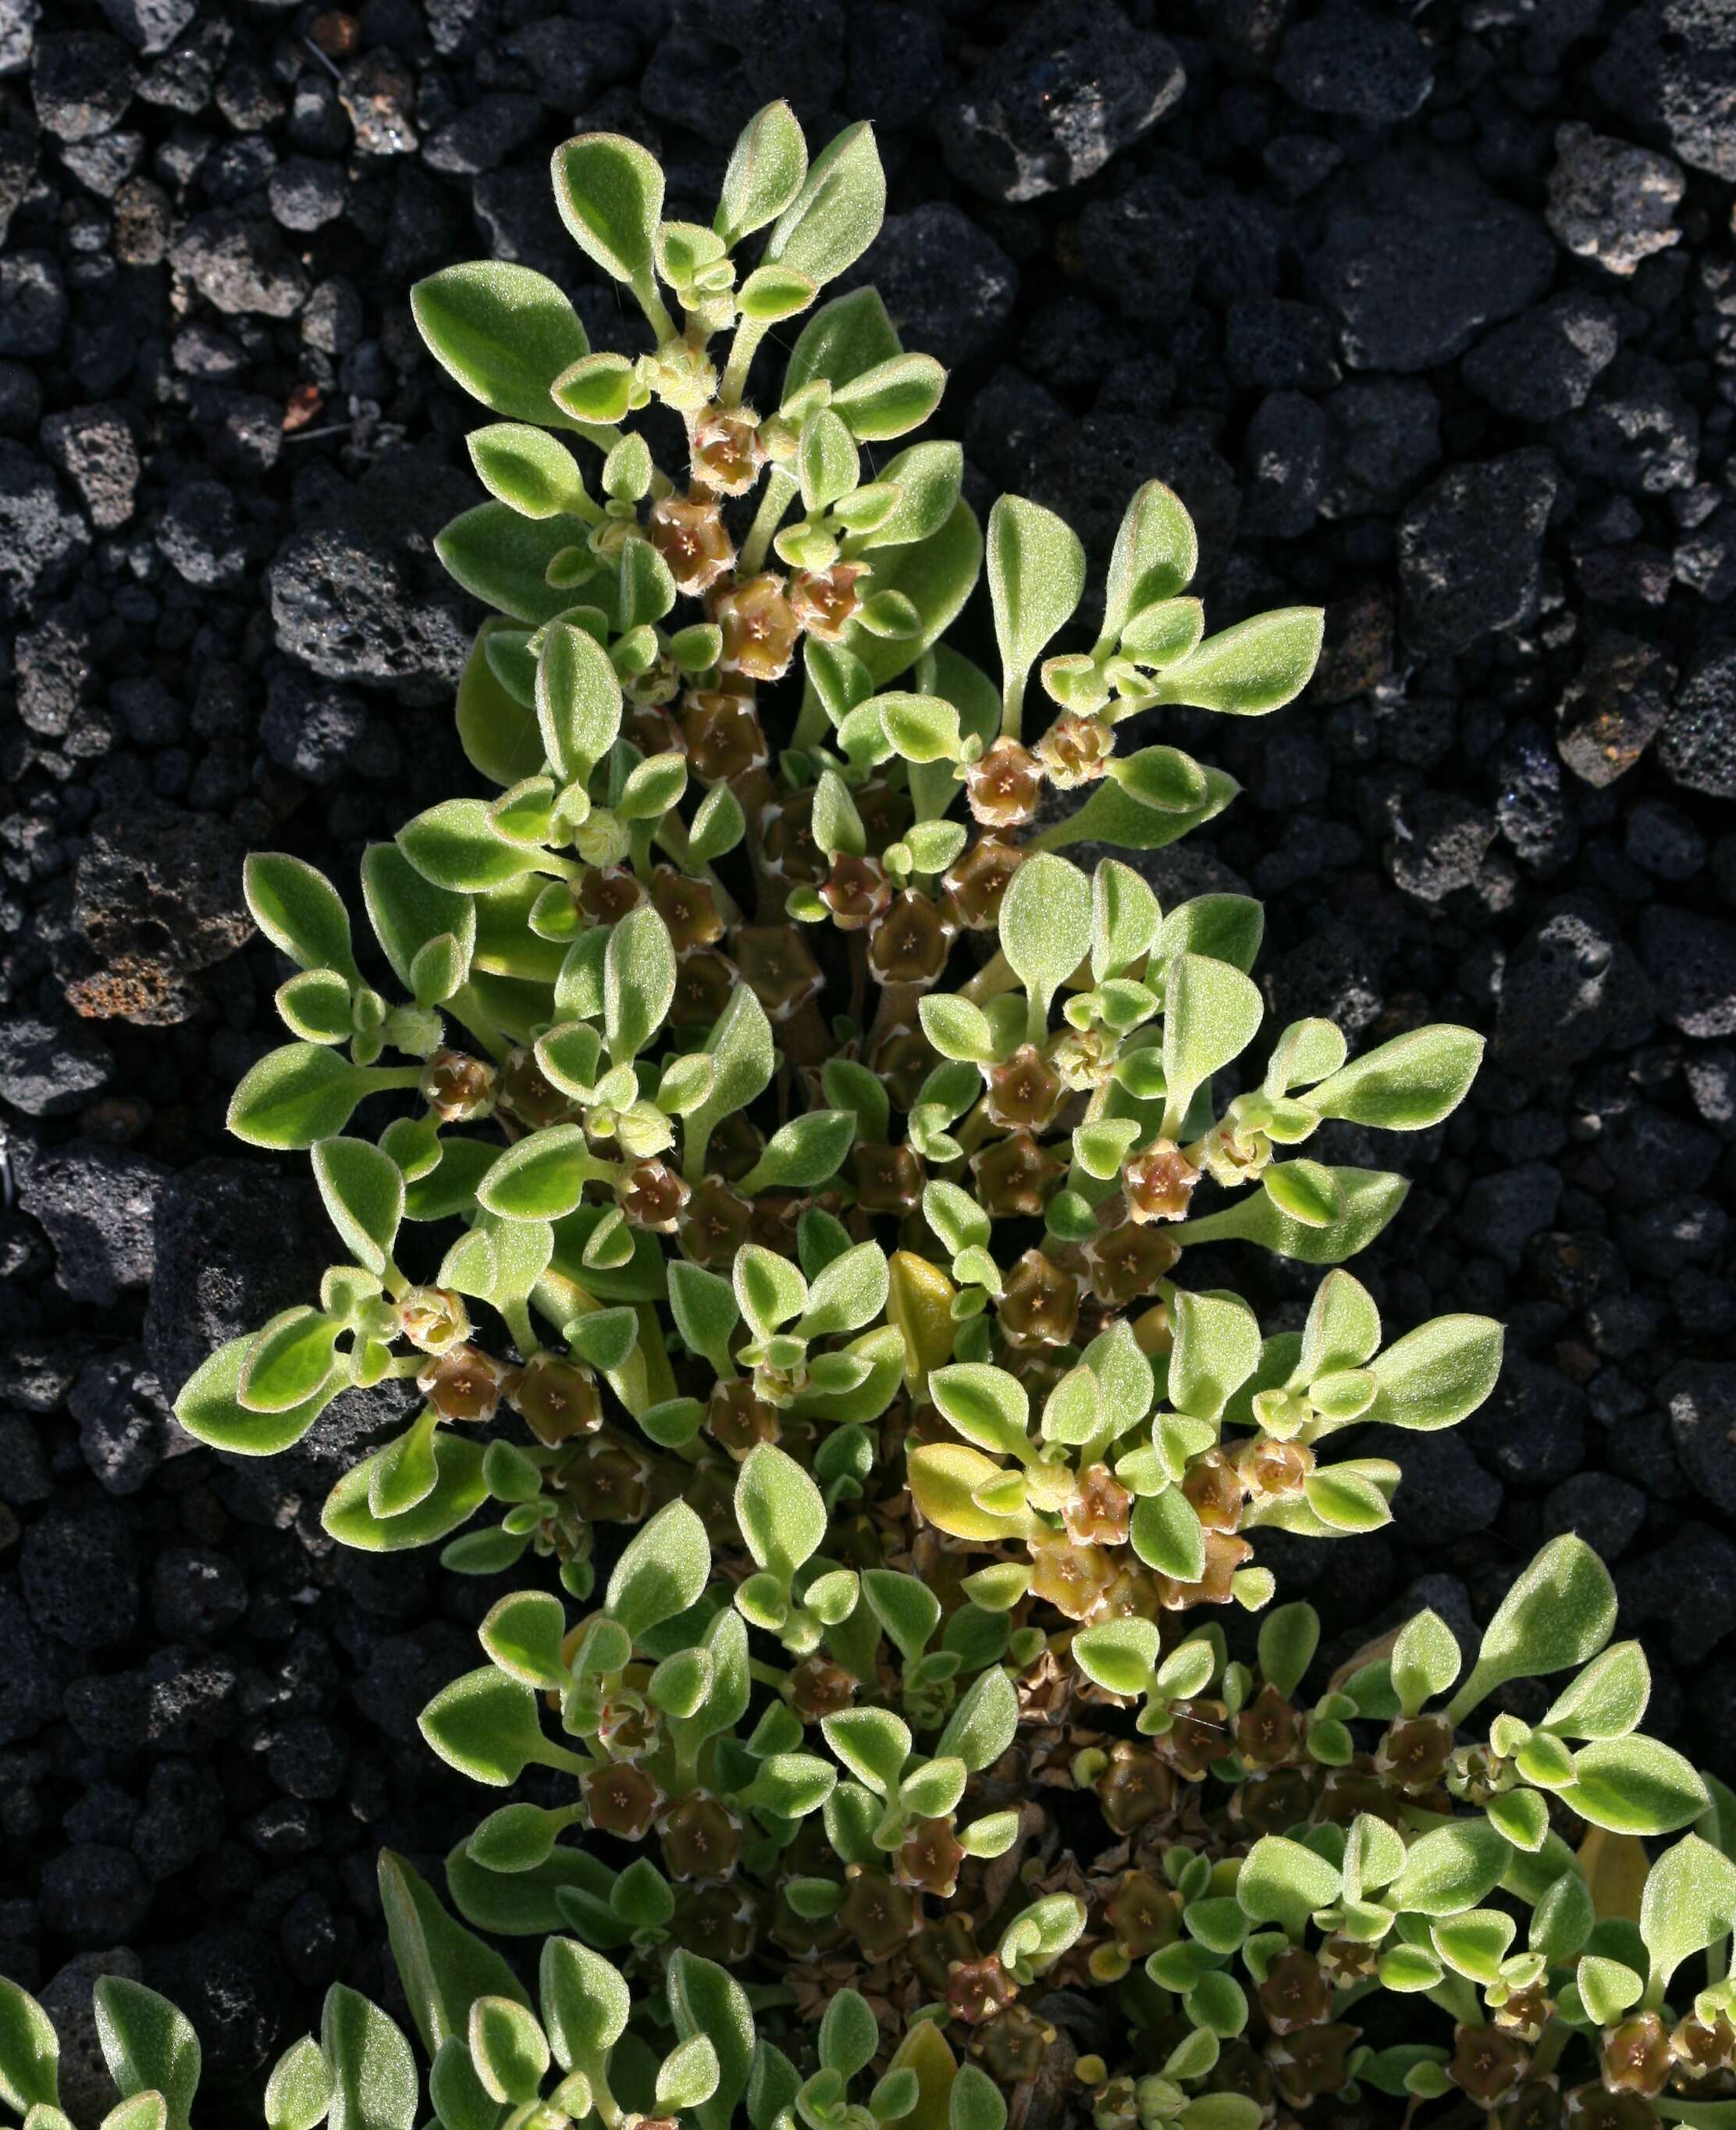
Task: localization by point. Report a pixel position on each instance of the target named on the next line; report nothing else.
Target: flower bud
(1076, 750)
(434, 1319)
(602, 838)
(651, 1195)
(457, 1088)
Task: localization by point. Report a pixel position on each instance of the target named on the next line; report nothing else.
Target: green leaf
(578, 699)
(663, 1570)
(1607, 1987)
(985, 1405)
(1211, 1012)
(766, 167)
(523, 1632)
(503, 332)
(1257, 666)
(509, 2050)
(703, 1998)
(299, 2090)
(289, 1363)
(610, 192)
(1370, 1199)
(890, 400)
(872, 1743)
(503, 559)
(843, 338)
(1126, 918)
(1282, 1882)
(955, 1027)
(809, 1149)
(1288, 1636)
(487, 1725)
(1559, 1612)
(984, 1724)
(457, 1493)
(704, 1305)
(688, 2074)
(1476, 1943)
(1451, 1869)
(30, 2052)
(442, 1966)
(780, 1511)
(541, 1176)
(526, 468)
(299, 912)
(1304, 1191)
(210, 1407)
(374, 2073)
(456, 845)
(295, 1095)
(849, 2034)
(1045, 924)
(1119, 1654)
(148, 2044)
(1156, 551)
(921, 727)
(1167, 1535)
(1608, 1697)
(837, 212)
(1036, 572)
(1634, 1785)
(741, 1049)
(638, 981)
(1111, 816)
(1689, 1903)
(849, 1292)
(974, 2102)
(1406, 1085)
(1217, 1349)
(1425, 1660)
(407, 911)
(1163, 777)
(586, 2004)
(718, 825)
(364, 1194)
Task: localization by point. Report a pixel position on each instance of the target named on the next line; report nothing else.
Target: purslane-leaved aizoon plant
(782, 1210)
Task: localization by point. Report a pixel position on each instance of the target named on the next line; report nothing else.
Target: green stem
(655, 310)
(383, 1077)
(780, 488)
(742, 350)
(518, 1318)
(470, 1012)
(995, 977)
(812, 723)
(1013, 704)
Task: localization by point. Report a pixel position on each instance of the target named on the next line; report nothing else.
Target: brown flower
(651, 1196)
(1098, 1511)
(1159, 1184)
(723, 735)
(1268, 1730)
(607, 892)
(728, 450)
(523, 1092)
(713, 1223)
(702, 984)
(1487, 2064)
(929, 1857)
(856, 891)
(1039, 1304)
(1015, 1177)
(1525, 2012)
(879, 1915)
(1197, 1736)
(1214, 1488)
(701, 1838)
(1070, 1577)
(910, 941)
(691, 538)
(760, 628)
(976, 1989)
(1295, 1993)
(1143, 1913)
(825, 601)
(1025, 1093)
(1636, 2055)
(1076, 750)
(889, 1179)
(777, 967)
(688, 908)
(1414, 1750)
(609, 1483)
(1127, 1262)
(818, 1687)
(1702, 2049)
(557, 1399)
(976, 885)
(464, 1383)
(736, 1419)
(1534, 2104)
(1133, 1788)
(1271, 1470)
(1312, 2061)
(1223, 1556)
(1594, 2108)
(717, 1922)
(621, 1800)
(1003, 788)
(457, 1088)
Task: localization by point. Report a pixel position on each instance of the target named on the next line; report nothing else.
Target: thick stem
(780, 488)
(742, 350)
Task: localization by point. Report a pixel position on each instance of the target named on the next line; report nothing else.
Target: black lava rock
(1470, 551)
(1353, 61)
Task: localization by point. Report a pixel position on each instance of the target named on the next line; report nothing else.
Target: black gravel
(1429, 313)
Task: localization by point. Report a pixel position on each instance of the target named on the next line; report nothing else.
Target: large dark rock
(1571, 988)
(1543, 364)
(357, 592)
(1698, 746)
(47, 1069)
(1613, 706)
(1420, 257)
(98, 1205)
(948, 284)
(1670, 69)
(1700, 1399)
(1073, 85)
(1692, 961)
(1353, 61)
(42, 537)
(1470, 551)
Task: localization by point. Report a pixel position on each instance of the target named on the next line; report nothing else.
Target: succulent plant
(783, 1210)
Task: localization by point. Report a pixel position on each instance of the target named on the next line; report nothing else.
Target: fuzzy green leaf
(504, 332)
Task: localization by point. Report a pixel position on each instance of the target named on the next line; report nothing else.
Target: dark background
(1430, 315)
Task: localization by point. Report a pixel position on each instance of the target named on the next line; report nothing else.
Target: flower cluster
(781, 1205)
